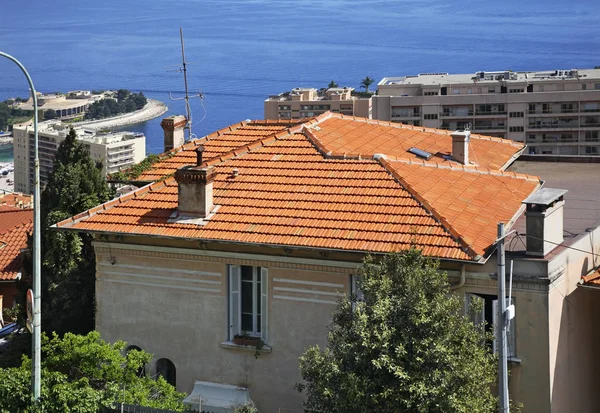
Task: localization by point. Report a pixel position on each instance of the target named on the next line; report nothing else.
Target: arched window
(166, 368)
(142, 370)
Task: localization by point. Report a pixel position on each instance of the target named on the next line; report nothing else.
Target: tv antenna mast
(183, 68)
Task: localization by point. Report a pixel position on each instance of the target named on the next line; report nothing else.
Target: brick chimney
(544, 221)
(173, 131)
(195, 188)
(460, 146)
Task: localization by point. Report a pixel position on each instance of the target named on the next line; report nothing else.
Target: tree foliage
(75, 185)
(83, 374)
(366, 83)
(50, 114)
(125, 102)
(404, 347)
(332, 84)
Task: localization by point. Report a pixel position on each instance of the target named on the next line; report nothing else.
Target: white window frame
(235, 302)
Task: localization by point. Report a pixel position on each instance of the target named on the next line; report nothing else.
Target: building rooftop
(312, 94)
(57, 128)
(430, 79)
(582, 201)
(335, 183)
(15, 225)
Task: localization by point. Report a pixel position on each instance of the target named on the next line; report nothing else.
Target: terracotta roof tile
(15, 226)
(290, 189)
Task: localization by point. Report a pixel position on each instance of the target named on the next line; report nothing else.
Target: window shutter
(234, 300)
(264, 305)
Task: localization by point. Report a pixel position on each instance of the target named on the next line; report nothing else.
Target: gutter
(462, 279)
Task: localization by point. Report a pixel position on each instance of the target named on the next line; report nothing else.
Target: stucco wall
(175, 306)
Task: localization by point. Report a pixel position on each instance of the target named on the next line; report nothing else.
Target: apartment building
(309, 102)
(553, 112)
(115, 150)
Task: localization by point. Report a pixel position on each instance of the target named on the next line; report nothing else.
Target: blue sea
(242, 51)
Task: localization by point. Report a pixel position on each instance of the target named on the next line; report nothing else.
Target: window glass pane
(247, 297)
(247, 322)
(246, 273)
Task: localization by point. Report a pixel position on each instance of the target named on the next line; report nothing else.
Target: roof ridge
(481, 170)
(421, 128)
(428, 207)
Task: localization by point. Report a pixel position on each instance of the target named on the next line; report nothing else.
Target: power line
(556, 243)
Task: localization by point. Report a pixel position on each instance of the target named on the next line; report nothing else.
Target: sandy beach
(153, 109)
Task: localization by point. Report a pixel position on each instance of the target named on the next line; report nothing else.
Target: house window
(483, 310)
(583, 86)
(515, 129)
(516, 114)
(491, 90)
(248, 301)
(430, 116)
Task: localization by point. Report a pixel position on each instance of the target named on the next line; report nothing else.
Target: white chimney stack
(460, 146)
(544, 220)
(173, 131)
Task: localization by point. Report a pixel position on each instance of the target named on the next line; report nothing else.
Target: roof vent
(420, 153)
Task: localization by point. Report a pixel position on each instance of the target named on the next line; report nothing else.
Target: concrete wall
(574, 328)
(174, 305)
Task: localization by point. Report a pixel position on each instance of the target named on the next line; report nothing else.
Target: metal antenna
(188, 111)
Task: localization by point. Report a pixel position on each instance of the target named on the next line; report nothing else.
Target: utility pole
(37, 290)
(501, 325)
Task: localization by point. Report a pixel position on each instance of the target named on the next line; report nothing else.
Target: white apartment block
(116, 151)
(554, 112)
(308, 102)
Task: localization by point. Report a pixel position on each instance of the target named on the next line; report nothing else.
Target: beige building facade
(115, 150)
(553, 112)
(309, 102)
(174, 300)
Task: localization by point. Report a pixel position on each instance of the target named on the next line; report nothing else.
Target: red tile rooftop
(15, 226)
(319, 184)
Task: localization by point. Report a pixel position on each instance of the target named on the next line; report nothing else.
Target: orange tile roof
(215, 144)
(318, 184)
(16, 200)
(15, 225)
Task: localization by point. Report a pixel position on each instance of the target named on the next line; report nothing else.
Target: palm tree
(366, 82)
(332, 84)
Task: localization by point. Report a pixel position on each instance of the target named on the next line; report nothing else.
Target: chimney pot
(173, 131)
(195, 190)
(460, 146)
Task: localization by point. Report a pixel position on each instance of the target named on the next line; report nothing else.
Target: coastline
(153, 109)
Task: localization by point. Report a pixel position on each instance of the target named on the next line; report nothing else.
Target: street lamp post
(37, 311)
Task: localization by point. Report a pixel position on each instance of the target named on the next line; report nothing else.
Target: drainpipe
(460, 282)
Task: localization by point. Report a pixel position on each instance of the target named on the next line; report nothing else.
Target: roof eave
(476, 260)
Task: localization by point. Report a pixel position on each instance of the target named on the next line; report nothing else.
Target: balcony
(453, 114)
(489, 127)
(489, 112)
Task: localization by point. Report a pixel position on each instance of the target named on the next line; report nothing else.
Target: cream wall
(174, 305)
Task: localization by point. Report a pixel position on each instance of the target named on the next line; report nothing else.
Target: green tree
(75, 185)
(366, 83)
(4, 115)
(404, 347)
(332, 84)
(84, 374)
(49, 114)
